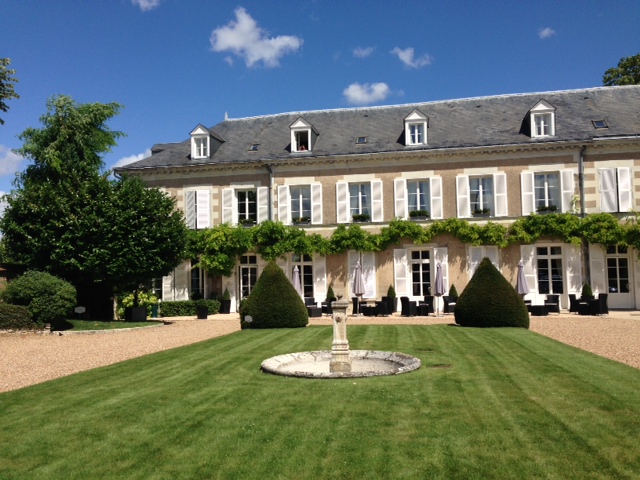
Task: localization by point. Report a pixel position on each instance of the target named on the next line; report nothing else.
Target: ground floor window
(617, 269)
(420, 264)
(156, 287)
(549, 262)
(197, 281)
(305, 270)
(248, 274)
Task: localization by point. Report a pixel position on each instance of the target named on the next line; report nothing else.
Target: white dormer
(415, 128)
(200, 142)
(303, 136)
(543, 120)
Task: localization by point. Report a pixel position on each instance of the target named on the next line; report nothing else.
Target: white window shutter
(319, 278)
(263, 204)
(181, 282)
(528, 253)
(608, 190)
(462, 196)
(190, 208)
(284, 201)
(168, 292)
(441, 255)
(342, 202)
(625, 189)
(316, 204)
(597, 265)
(228, 206)
(203, 214)
(436, 197)
(400, 197)
(475, 257)
(400, 272)
(528, 198)
(492, 253)
(369, 273)
(376, 201)
(566, 187)
(500, 189)
(574, 268)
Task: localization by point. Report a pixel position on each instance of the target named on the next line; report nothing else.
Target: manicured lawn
(490, 403)
(77, 325)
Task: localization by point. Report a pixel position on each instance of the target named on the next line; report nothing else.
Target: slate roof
(472, 122)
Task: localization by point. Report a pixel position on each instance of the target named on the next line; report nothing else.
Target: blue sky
(176, 63)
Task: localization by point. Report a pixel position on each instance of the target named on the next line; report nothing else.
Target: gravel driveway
(28, 358)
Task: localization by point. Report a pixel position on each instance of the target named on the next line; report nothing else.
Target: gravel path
(28, 358)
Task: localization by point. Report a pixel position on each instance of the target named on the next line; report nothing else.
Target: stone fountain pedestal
(340, 359)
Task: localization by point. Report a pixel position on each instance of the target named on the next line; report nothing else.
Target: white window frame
(284, 203)
(230, 203)
(200, 143)
(463, 195)
(401, 197)
(301, 128)
(343, 201)
(415, 120)
(543, 116)
(616, 189)
(528, 191)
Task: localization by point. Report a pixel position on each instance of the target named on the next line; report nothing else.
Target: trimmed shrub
(273, 302)
(49, 299)
(186, 308)
(489, 300)
(15, 317)
(453, 293)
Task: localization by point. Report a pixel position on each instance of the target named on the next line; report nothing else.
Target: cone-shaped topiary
(273, 302)
(489, 300)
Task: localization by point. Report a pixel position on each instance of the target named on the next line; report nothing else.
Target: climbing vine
(220, 247)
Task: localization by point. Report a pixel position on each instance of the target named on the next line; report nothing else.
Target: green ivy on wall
(220, 247)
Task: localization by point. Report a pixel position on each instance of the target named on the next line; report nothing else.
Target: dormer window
(415, 128)
(303, 136)
(200, 142)
(543, 122)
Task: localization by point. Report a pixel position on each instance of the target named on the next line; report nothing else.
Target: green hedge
(15, 317)
(186, 308)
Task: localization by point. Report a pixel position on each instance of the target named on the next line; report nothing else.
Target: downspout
(270, 190)
(586, 269)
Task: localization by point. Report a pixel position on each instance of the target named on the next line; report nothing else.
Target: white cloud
(407, 56)
(133, 158)
(146, 5)
(365, 94)
(244, 38)
(9, 161)
(361, 52)
(545, 33)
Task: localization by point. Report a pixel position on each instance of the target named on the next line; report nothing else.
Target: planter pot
(391, 303)
(306, 222)
(420, 218)
(203, 313)
(225, 306)
(135, 314)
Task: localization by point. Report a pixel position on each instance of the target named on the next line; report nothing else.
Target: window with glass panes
(420, 273)
(300, 202)
(549, 271)
(360, 198)
(416, 133)
(481, 194)
(542, 124)
(617, 269)
(197, 281)
(305, 269)
(418, 195)
(547, 189)
(247, 206)
(248, 274)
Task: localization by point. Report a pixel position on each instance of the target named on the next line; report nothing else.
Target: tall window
(549, 270)
(360, 198)
(420, 273)
(617, 269)
(416, 133)
(481, 194)
(247, 207)
(201, 147)
(542, 124)
(305, 270)
(197, 281)
(418, 195)
(248, 274)
(547, 190)
(302, 141)
(300, 202)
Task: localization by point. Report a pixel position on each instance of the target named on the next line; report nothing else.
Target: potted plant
(137, 312)
(419, 214)
(547, 209)
(247, 222)
(202, 309)
(391, 300)
(587, 293)
(361, 217)
(225, 302)
(482, 212)
(302, 221)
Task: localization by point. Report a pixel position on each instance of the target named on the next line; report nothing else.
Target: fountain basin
(364, 363)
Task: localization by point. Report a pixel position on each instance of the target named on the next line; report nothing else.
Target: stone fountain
(340, 362)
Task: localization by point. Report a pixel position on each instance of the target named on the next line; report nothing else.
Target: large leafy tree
(626, 73)
(7, 91)
(66, 217)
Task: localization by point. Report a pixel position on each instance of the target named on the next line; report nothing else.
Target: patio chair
(449, 304)
(573, 303)
(552, 303)
(409, 307)
(381, 309)
(599, 306)
(327, 309)
(426, 307)
(312, 307)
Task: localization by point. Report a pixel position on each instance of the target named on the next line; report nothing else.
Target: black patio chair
(409, 307)
(552, 303)
(426, 307)
(449, 304)
(312, 307)
(573, 303)
(327, 309)
(599, 305)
